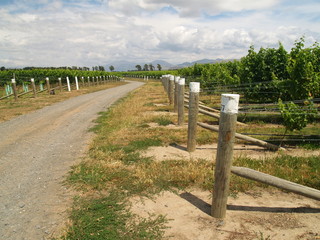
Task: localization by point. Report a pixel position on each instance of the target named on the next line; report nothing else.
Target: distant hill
(127, 66)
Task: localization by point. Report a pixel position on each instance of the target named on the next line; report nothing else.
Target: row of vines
(39, 75)
(271, 78)
(266, 75)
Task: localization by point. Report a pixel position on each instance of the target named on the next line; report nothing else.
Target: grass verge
(9, 108)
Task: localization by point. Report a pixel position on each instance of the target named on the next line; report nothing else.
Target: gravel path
(36, 152)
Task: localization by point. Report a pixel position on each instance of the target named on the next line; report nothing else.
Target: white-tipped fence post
(68, 84)
(181, 101)
(14, 88)
(60, 84)
(193, 115)
(88, 81)
(171, 89)
(48, 85)
(176, 83)
(34, 90)
(227, 129)
(77, 83)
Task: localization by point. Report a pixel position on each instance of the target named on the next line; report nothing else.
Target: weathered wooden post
(60, 84)
(176, 83)
(227, 129)
(171, 89)
(14, 88)
(181, 101)
(48, 85)
(193, 115)
(34, 90)
(77, 83)
(88, 81)
(68, 84)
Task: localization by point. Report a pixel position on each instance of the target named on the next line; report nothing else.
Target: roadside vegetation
(9, 108)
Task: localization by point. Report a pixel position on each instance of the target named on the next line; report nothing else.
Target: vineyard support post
(181, 101)
(77, 83)
(14, 88)
(68, 84)
(34, 90)
(227, 129)
(88, 81)
(82, 81)
(60, 84)
(167, 84)
(176, 82)
(171, 90)
(193, 115)
(48, 85)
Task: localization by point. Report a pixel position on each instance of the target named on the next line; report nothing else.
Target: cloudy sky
(97, 32)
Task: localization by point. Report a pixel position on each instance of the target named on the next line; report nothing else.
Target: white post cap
(194, 87)
(182, 81)
(176, 79)
(13, 80)
(32, 79)
(171, 78)
(230, 103)
(47, 78)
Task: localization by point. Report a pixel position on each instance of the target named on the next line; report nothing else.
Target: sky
(96, 32)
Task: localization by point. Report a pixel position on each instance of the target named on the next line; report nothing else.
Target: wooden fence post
(171, 89)
(48, 85)
(88, 81)
(60, 84)
(227, 129)
(34, 90)
(68, 84)
(77, 83)
(14, 88)
(176, 83)
(193, 115)
(181, 101)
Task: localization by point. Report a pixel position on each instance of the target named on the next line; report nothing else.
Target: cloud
(89, 33)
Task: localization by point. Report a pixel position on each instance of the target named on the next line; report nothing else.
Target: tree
(146, 67)
(138, 67)
(159, 67)
(2, 68)
(101, 68)
(111, 68)
(151, 67)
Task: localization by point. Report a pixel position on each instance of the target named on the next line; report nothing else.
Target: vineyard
(275, 85)
(24, 79)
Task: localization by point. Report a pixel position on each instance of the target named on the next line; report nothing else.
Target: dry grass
(9, 108)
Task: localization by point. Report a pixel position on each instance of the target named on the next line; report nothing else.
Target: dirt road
(36, 152)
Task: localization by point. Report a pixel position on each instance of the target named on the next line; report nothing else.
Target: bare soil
(260, 214)
(36, 152)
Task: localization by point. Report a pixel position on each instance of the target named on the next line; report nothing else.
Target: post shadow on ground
(251, 147)
(206, 207)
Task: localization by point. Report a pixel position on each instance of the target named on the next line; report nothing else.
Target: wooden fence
(227, 132)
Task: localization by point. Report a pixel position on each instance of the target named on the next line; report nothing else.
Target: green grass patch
(301, 170)
(108, 218)
(162, 120)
